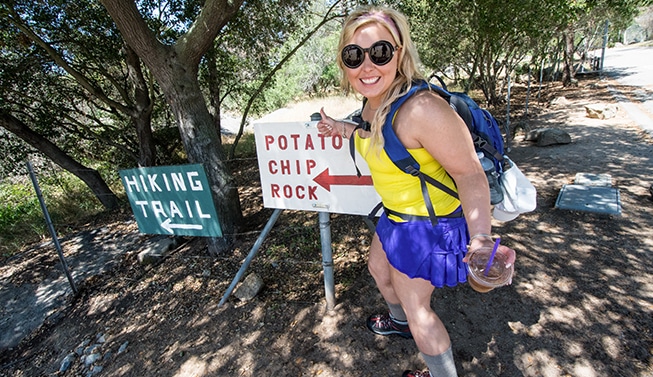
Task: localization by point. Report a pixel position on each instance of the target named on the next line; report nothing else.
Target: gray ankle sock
(397, 312)
(441, 365)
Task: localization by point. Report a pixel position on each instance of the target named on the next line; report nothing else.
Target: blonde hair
(407, 69)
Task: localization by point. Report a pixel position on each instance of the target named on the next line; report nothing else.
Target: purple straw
(494, 251)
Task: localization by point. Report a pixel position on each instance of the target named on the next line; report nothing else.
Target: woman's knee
(377, 263)
(378, 271)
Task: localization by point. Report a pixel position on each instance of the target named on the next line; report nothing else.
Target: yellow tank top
(401, 192)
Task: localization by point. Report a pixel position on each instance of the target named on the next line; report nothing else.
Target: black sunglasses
(380, 52)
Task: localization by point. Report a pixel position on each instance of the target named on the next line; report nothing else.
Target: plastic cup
(482, 279)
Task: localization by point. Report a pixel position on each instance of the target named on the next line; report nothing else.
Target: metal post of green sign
(53, 232)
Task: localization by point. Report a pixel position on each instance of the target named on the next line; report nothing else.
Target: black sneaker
(383, 324)
(416, 373)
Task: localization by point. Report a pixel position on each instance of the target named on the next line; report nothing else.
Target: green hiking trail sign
(173, 200)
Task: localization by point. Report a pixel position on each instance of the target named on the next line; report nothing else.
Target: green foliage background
(473, 44)
(69, 203)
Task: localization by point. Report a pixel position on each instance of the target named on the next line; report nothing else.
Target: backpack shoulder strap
(360, 123)
(396, 150)
(400, 156)
(392, 145)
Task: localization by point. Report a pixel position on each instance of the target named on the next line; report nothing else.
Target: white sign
(304, 170)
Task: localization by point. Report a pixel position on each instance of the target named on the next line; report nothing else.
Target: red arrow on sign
(325, 180)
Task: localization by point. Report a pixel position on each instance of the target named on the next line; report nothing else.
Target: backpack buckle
(410, 169)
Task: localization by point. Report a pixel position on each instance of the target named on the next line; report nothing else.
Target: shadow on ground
(581, 302)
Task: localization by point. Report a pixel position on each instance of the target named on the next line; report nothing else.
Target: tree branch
(266, 80)
(212, 18)
(56, 57)
(135, 31)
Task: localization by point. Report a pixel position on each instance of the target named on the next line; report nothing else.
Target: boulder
(560, 102)
(548, 136)
(601, 111)
(249, 288)
(156, 251)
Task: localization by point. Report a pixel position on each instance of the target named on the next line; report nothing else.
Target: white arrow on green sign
(172, 200)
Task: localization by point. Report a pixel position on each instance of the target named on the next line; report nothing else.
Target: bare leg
(414, 295)
(380, 269)
(428, 330)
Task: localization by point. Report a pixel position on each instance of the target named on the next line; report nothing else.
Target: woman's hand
(329, 126)
(510, 254)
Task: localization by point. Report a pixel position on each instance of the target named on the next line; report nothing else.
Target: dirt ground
(581, 302)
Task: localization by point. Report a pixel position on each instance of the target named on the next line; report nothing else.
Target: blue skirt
(421, 250)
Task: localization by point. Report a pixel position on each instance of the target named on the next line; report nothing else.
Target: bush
(22, 221)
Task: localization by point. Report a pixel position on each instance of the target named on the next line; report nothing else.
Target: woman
(408, 259)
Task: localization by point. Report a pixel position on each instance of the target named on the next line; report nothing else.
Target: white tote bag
(519, 194)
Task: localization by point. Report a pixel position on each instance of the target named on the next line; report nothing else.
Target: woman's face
(370, 80)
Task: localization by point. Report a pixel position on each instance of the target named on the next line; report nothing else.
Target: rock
(95, 348)
(67, 362)
(80, 348)
(123, 347)
(249, 288)
(560, 101)
(548, 136)
(156, 251)
(94, 371)
(553, 136)
(533, 135)
(92, 358)
(601, 111)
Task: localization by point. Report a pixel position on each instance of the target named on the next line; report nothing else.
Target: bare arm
(332, 127)
(427, 121)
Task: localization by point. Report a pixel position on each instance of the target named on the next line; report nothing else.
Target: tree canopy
(481, 42)
(91, 83)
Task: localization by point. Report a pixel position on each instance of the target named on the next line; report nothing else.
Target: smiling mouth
(370, 81)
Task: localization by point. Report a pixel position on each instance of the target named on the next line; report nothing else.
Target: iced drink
(483, 279)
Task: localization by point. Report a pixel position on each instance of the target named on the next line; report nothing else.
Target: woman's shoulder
(424, 113)
(425, 105)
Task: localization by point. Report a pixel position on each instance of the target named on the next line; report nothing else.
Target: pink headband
(379, 16)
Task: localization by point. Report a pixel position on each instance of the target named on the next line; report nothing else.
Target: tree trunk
(175, 69)
(214, 90)
(202, 142)
(142, 114)
(568, 69)
(89, 176)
